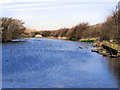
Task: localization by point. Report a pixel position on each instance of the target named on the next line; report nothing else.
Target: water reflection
(114, 67)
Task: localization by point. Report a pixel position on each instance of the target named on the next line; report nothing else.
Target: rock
(115, 56)
(81, 47)
(95, 45)
(100, 52)
(94, 50)
(11, 51)
(100, 48)
(104, 52)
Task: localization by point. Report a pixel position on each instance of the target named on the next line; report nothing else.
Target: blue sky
(55, 14)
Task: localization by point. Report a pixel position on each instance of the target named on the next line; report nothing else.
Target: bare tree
(11, 28)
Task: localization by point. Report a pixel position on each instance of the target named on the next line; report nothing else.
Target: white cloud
(53, 4)
(88, 0)
(27, 5)
(8, 1)
(46, 8)
(23, 17)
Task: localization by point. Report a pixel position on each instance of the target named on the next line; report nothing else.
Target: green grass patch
(74, 39)
(87, 40)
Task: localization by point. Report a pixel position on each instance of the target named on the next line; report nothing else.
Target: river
(52, 63)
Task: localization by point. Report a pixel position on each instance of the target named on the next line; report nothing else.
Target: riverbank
(51, 37)
(106, 48)
(74, 39)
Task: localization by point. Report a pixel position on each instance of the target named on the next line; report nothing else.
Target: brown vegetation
(77, 31)
(29, 33)
(11, 28)
(108, 30)
(43, 33)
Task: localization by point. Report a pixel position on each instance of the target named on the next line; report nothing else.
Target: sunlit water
(51, 63)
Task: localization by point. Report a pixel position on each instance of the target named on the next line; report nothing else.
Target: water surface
(51, 63)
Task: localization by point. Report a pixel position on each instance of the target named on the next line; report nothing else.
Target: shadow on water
(14, 42)
(114, 67)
